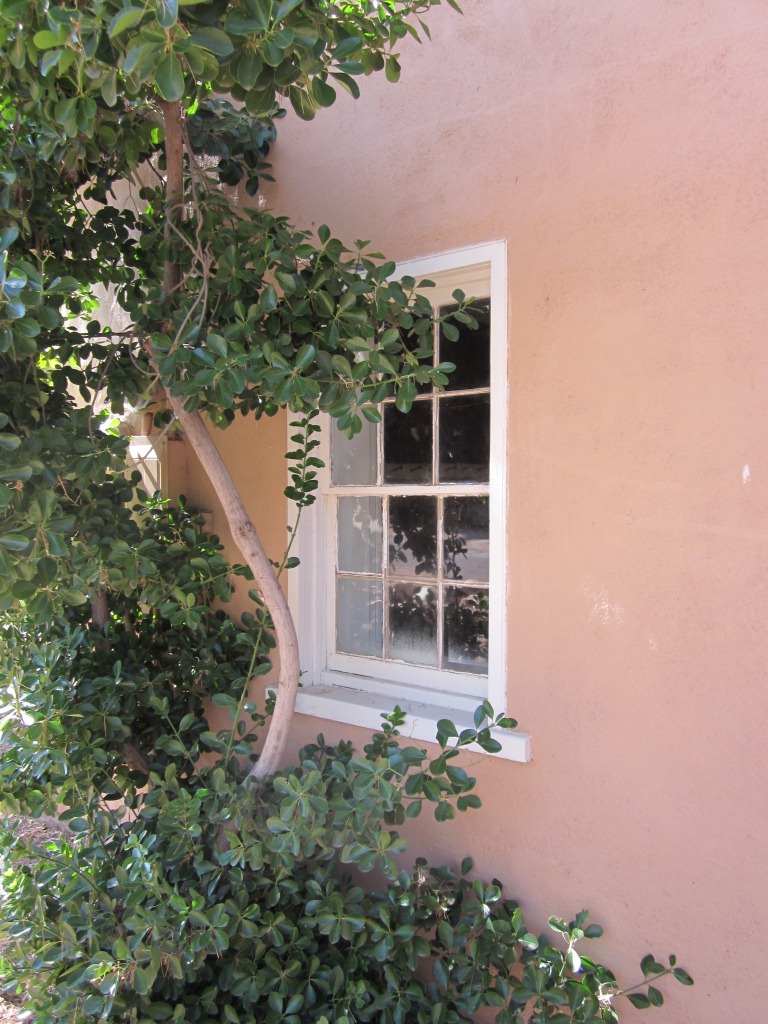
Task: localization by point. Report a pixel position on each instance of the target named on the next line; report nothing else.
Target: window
(400, 596)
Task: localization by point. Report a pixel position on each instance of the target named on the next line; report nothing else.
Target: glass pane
(408, 444)
(465, 630)
(359, 618)
(471, 352)
(354, 461)
(465, 438)
(413, 624)
(465, 539)
(412, 536)
(360, 533)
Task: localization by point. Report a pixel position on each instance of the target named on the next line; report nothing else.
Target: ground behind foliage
(36, 831)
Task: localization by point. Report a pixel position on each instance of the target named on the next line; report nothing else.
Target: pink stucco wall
(620, 149)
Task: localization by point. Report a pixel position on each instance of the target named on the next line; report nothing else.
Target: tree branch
(174, 184)
(243, 531)
(250, 547)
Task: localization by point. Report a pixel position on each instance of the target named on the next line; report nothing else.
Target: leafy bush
(182, 892)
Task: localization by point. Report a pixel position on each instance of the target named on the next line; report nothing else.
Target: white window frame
(333, 686)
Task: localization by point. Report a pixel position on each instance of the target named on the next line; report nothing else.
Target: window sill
(361, 708)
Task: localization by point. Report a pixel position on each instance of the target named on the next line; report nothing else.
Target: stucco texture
(620, 149)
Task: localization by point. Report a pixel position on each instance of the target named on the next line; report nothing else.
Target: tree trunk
(243, 531)
(252, 550)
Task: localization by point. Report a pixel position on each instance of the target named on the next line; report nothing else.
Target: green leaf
(650, 965)
(440, 972)
(167, 13)
(15, 541)
(109, 88)
(323, 94)
(682, 976)
(169, 78)
(272, 53)
(7, 237)
(304, 357)
(124, 20)
(50, 60)
(141, 981)
(639, 1001)
(573, 960)
(301, 103)
(248, 69)
(347, 82)
(347, 47)
(284, 8)
(45, 40)
(261, 11)
(216, 343)
(392, 69)
(215, 40)
(655, 996)
(65, 110)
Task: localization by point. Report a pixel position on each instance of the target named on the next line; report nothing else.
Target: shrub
(179, 890)
(208, 903)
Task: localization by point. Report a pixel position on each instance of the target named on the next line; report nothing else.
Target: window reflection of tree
(454, 547)
(413, 535)
(413, 622)
(466, 626)
(465, 526)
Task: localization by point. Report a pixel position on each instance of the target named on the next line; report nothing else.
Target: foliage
(183, 901)
(180, 890)
(303, 322)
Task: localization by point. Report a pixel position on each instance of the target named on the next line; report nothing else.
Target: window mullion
(440, 579)
(385, 574)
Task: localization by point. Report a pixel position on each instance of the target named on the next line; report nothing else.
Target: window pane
(360, 534)
(354, 461)
(359, 618)
(408, 444)
(465, 539)
(471, 352)
(465, 629)
(465, 438)
(412, 536)
(413, 624)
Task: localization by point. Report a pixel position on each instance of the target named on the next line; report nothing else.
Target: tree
(298, 323)
(194, 882)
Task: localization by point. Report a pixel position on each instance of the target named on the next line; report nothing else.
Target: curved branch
(174, 183)
(243, 531)
(250, 547)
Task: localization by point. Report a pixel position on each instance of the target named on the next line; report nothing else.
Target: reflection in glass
(465, 538)
(353, 460)
(471, 352)
(465, 438)
(360, 533)
(413, 624)
(412, 536)
(408, 444)
(359, 616)
(465, 629)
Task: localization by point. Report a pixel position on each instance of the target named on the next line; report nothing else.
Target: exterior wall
(619, 148)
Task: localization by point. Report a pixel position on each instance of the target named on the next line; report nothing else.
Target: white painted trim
(353, 707)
